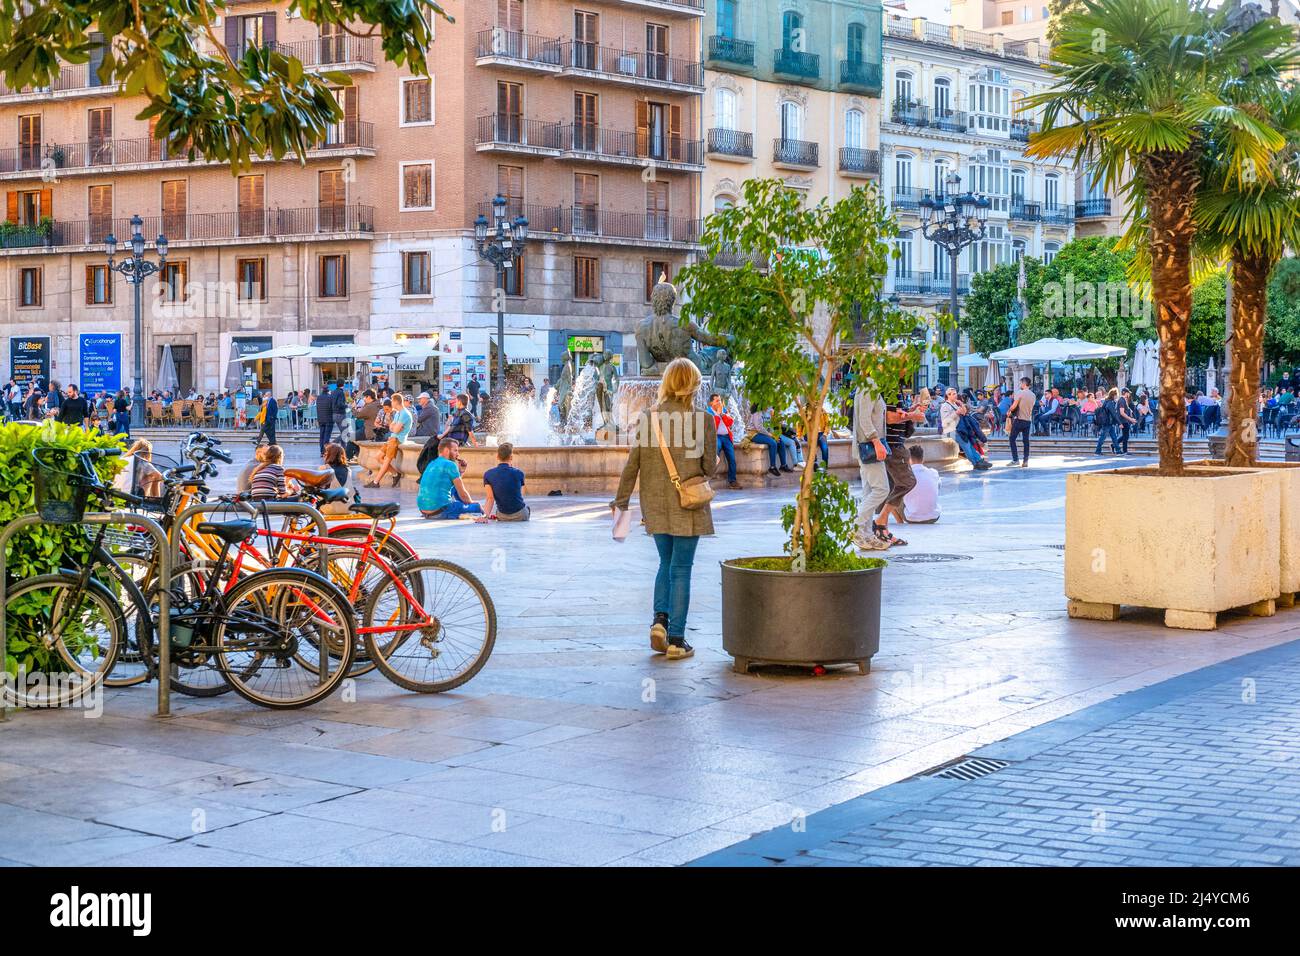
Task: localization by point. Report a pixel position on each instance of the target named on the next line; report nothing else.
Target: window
(791, 121)
(510, 184)
(723, 202)
(510, 15)
(792, 37)
(251, 275)
(99, 136)
(989, 103)
(1008, 18)
(252, 205)
(333, 43)
(1051, 190)
(656, 269)
(331, 192)
(29, 287)
(1017, 250)
(417, 186)
(332, 277)
(173, 280)
(512, 277)
(991, 251)
(903, 88)
(942, 96)
(586, 121)
(510, 112)
(902, 173)
(853, 129)
(656, 211)
(99, 285)
(903, 264)
(857, 44)
(29, 141)
(417, 101)
(586, 277)
(99, 209)
(1050, 249)
(727, 19)
(586, 203)
(724, 108)
(415, 273)
(1017, 185)
(174, 193)
(656, 51)
(941, 170)
(29, 207)
(989, 173)
(586, 40)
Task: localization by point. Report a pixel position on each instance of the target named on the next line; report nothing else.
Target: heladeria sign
(29, 359)
(101, 362)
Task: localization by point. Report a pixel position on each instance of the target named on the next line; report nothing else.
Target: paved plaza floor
(577, 745)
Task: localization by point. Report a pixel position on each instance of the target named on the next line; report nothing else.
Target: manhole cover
(926, 558)
(967, 768)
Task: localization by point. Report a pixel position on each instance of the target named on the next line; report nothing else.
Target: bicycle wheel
(394, 549)
(194, 670)
(438, 641)
(354, 572)
(126, 575)
(270, 632)
(64, 635)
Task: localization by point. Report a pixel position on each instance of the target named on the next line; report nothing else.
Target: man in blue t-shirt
(442, 491)
(505, 488)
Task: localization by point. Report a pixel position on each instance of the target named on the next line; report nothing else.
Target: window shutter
(47, 202)
(642, 127)
(268, 29)
(232, 36)
(90, 285)
(11, 207)
(675, 134)
(155, 147)
(343, 275)
(349, 104)
(96, 59)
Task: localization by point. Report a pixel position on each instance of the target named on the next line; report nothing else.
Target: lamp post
(953, 220)
(502, 244)
(135, 270)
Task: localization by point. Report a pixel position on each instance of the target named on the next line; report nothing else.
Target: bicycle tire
(200, 679)
(388, 605)
(110, 612)
(292, 584)
(137, 647)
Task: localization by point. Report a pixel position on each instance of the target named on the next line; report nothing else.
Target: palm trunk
(1171, 181)
(1250, 272)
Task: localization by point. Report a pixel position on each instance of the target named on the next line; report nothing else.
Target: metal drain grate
(927, 558)
(967, 768)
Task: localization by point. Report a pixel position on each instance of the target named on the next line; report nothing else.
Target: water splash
(582, 405)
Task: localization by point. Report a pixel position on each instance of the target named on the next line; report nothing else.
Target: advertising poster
(476, 368)
(29, 359)
(452, 378)
(101, 362)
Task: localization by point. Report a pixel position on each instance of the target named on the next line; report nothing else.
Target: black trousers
(268, 429)
(326, 430)
(1020, 428)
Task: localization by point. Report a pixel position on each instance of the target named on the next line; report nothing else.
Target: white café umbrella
(993, 374)
(1211, 376)
(1121, 377)
(1059, 350)
(234, 368)
(167, 379)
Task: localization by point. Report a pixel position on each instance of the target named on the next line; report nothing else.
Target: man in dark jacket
(326, 404)
(74, 410)
(271, 410)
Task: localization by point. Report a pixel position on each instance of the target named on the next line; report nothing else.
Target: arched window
(792, 31)
(903, 264)
(1051, 190)
(724, 108)
(942, 96)
(941, 171)
(903, 88)
(791, 120)
(853, 129)
(722, 202)
(1050, 249)
(903, 172)
(1017, 250)
(727, 18)
(1017, 185)
(857, 45)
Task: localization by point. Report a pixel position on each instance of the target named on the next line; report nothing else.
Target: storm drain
(967, 768)
(926, 558)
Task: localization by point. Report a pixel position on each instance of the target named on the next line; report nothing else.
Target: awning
(522, 350)
(351, 351)
(280, 351)
(1059, 350)
(973, 360)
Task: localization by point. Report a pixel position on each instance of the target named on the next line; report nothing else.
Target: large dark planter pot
(780, 617)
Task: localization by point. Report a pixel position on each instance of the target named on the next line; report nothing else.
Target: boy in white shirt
(921, 504)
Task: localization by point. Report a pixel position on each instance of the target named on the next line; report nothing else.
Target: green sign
(586, 343)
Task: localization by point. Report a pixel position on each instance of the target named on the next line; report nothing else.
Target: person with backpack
(460, 422)
(1107, 421)
(1127, 418)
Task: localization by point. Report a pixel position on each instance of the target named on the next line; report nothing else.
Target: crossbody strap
(668, 458)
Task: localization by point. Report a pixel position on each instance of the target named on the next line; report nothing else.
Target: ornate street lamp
(953, 220)
(502, 244)
(135, 270)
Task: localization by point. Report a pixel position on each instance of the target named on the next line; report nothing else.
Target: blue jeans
(673, 580)
(725, 447)
(455, 508)
(791, 449)
(824, 449)
(774, 448)
(967, 448)
(1102, 433)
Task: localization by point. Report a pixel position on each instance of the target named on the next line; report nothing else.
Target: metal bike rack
(163, 629)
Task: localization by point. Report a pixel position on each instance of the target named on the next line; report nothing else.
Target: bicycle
(265, 633)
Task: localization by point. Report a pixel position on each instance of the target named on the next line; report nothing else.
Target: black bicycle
(265, 634)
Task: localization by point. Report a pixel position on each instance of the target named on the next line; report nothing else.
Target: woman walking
(690, 440)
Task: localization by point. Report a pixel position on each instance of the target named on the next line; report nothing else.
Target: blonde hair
(680, 382)
(141, 446)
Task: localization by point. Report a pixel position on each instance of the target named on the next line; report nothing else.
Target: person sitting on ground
(921, 504)
(266, 481)
(442, 489)
(504, 489)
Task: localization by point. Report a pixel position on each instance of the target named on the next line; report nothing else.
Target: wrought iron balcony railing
(544, 51)
(593, 222)
(795, 152)
(730, 50)
(797, 64)
(731, 142)
(860, 75)
(632, 64)
(1089, 208)
(855, 160)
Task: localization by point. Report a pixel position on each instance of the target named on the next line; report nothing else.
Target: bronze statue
(662, 337)
(564, 389)
(606, 385)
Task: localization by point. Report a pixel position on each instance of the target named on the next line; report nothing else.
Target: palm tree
(1252, 224)
(1141, 85)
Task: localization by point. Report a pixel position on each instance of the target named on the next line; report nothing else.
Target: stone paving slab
(1199, 770)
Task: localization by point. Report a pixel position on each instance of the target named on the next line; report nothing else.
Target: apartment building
(792, 93)
(954, 108)
(585, 116)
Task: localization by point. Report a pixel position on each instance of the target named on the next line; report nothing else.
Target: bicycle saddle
(331, 495)
(231, 532)
(387, 510)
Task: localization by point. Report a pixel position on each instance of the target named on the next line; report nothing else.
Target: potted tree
(804, 325)
(1148, 86)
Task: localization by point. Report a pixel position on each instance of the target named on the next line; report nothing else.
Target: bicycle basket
(61, 494)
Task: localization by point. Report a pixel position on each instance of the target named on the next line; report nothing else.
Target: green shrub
(42, 548)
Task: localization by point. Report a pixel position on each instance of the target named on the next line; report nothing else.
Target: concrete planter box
(1288, 524)
(779, 617)
(1193, 546)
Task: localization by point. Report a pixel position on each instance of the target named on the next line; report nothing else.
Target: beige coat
(692, 439)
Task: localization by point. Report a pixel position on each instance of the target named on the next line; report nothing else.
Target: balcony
(930, 284)
(520, 51)
(795, 154)
(511, 133)
(656, 71)
(798, 66)
(859, 162)
(860, 76)
(344, 54)
(734, 259)
(910, 113)
(593, 224)
(1026, 211)
(731, 144)
(590, 143)
(1021, 130)
(680, 8)
(259, 225)
(1058, 214)
(74, 79)
(33, 161)
(731, 52)
(1091, 208)
(907, 197)
(950, 121)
